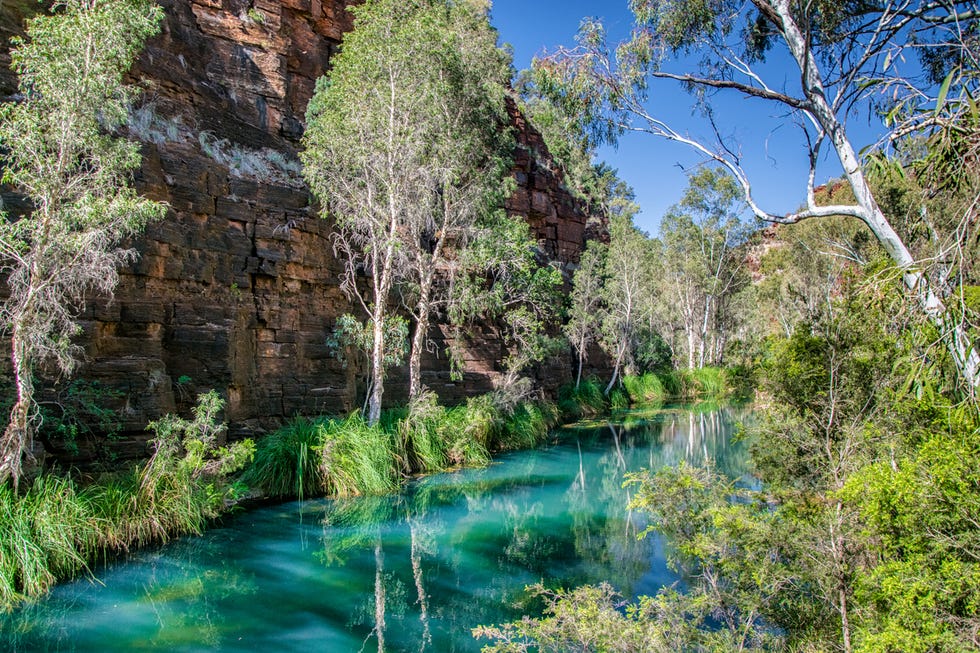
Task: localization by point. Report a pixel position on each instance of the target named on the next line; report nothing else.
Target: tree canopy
(407, 148)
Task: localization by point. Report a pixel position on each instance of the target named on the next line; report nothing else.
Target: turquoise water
(412, 572)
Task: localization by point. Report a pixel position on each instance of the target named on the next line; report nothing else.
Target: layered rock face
(237, 289)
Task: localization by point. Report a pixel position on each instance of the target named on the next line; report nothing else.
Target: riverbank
(419, 567)
(60, 526)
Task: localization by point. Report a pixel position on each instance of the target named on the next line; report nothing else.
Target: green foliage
(628, 292)
(352, 341)
(468, 431)
(345, 457)
(699, 265)
(588, 618)
(79, 412)
(504, 280)
(59, 151)
(435, 437)
(922, 595)
(285, 464)
(422, 436)
(586, 303)
(566, 131)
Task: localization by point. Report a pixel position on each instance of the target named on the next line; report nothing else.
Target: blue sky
(772, 148)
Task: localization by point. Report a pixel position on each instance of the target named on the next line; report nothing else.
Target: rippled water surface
(412, 572)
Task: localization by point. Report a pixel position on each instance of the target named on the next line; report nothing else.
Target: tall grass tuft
(526, 425)
(468, 431)
(285, 464)
(702, 383)
(618, 399)
(673, 383)
(645, 389)
(47, 534)
(422, 434)
(586, 400)
(356, 458)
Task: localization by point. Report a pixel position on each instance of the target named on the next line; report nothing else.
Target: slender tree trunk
(704, 331)
(581, 362)
(615, 376)
(382, 286)
(419, 337)
(377, 365)
(690, 347)
(17, 439)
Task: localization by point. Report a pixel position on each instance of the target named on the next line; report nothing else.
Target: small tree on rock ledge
(60, 153)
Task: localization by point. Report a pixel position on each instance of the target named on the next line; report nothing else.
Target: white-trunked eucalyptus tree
(407, 149)
(700, 262)
(59, 151)
(848, 57)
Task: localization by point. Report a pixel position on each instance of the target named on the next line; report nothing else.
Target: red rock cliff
(237, 289)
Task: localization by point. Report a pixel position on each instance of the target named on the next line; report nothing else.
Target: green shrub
(285, 464)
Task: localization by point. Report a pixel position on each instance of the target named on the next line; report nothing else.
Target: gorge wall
(237, 289)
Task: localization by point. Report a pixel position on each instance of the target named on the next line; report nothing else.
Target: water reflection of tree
(605, 532)
(701, 435)
(432, 582)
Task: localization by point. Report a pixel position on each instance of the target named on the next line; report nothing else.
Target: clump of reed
(436, 437)
(525, 425)
(644, 389)
(708, 382)
(344, 457)
(48, 534)
(618, 399)
(649, 388)
(356, 458)
(285, 463)
(581, 401)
